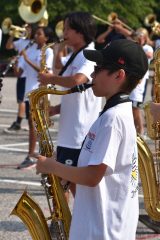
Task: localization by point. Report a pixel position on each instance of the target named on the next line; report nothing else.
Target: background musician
(138, 94)
(113, 32)
(32, 65)
(106, 201)
(20, 45)
(77, 111)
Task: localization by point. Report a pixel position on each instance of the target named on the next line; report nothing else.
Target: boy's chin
(97, 94)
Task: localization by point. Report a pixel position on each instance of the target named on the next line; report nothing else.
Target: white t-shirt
(20, 45)
(78, 110)
(109, 211)
(137, 93)
(34, 55)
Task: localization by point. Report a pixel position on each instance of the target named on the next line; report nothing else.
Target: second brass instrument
(150, 21)
(13, 30)
(153, 129)
(111, 18)
(149, 162)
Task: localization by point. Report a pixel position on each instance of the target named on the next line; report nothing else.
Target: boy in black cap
(106, 202)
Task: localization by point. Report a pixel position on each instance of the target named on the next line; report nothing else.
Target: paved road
(13, 149)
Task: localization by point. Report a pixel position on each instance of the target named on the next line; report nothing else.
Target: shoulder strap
(114, 100)
(70, 60)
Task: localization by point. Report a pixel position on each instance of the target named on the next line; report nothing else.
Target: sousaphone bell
(31, 11)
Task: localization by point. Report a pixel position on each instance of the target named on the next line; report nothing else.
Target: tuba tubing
(148, 179)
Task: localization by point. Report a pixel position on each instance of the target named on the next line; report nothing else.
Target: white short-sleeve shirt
(137, 93)
(78, 110)
(109, 211)
(34, 55)
(20, 45)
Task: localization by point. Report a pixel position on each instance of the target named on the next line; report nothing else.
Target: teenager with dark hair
(77, 111)
(32, 66)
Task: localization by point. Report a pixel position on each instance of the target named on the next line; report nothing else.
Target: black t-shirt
(113, 35)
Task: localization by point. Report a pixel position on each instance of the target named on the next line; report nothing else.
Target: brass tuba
(153, 129)
(59, 29)
(12, 30)
(31, 11)
(149, 163)
(150, 21)
(43, 22)
(26, 208)
(149, 173)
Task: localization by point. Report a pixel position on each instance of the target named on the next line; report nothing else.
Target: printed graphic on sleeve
(134, 174)
(90, 139)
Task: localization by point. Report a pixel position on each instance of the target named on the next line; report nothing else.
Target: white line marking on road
(10, 147)
(20, 182)
(13, 149)
(32, 183)
(14, 144)
(25, 128)
(8, 110)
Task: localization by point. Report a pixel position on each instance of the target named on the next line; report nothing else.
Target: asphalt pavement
(13, 182)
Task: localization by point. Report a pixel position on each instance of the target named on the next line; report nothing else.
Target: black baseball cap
(123, 54)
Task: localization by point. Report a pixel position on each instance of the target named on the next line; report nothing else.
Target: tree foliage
(133, 12)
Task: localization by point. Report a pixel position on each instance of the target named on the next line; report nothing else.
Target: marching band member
(114, 32)
(138, 94)
(106, 200)
(19, 45)
(32, 65)
(77, 111)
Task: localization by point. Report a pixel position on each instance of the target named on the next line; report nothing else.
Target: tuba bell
(150, 21)
(12, 30)
(43, 22)
(59, 29)
(31, 11)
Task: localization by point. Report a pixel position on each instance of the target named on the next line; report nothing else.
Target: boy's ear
(121, 74)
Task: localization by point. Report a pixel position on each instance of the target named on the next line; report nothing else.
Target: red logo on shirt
(91, 136)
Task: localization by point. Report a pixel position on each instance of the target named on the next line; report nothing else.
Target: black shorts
(20, 89)
(136, 104)
(68, 156)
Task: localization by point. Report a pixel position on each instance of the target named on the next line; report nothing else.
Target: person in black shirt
(114, 32)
